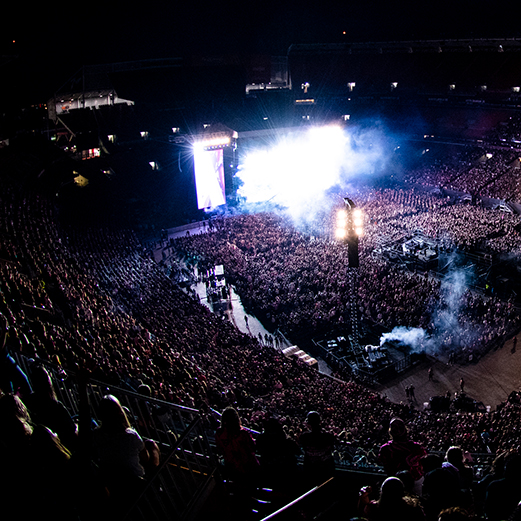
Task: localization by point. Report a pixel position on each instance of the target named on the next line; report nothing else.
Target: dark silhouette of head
(513, 467)
(112, 415)
(313, 419)
(274, 429)
(42, 382)
(431, 462)
(392, 491)
(454, 456)
(230, 420)
(397, 429)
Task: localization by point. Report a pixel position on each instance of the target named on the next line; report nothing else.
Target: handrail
(163, 464)
(295, 501)
(149, 399)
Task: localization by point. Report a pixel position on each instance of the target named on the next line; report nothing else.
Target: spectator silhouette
(503, 495)
(440, 488)
(278, 455)
(15, 440)
(119, 451)
(45, 408)
(392, 503)
(54, 475)
(319, 464)
(36, 476)
(12, 378)
(497, 471)
(237, 447)
(455, 462)
(401, 453)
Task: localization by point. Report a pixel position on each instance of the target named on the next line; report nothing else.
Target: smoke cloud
(414, 337)
(447, 329)
(301, 170)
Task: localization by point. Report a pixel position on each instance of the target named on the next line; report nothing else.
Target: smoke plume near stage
(446, 332)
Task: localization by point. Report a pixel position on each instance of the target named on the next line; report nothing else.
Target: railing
(187, 465)
(292, 504)
(181, 482)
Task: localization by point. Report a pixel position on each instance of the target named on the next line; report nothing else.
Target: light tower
(349, 227)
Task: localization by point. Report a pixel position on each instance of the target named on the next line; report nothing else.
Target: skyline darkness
(42, 48)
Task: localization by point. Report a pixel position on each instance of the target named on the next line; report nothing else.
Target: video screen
(209, 178)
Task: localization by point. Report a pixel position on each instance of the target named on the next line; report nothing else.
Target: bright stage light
(296, 168)
(358, 221)
(300, 168)
(341, 224)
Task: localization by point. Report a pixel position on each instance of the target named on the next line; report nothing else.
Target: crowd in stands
(508, 131)
(95, 301)
(395, 213)
(121, 305)
(486, 172)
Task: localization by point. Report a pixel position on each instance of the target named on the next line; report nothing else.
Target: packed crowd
(487, 172)
(395, 213)
(300, 284)
(417, 484)
(94, 300)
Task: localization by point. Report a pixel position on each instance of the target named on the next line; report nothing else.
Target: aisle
(235, 313)
(249, 324)
(232, 308)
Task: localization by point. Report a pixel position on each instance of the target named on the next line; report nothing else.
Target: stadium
(185, 332)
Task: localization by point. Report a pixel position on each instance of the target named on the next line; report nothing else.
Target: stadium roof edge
(444, 45)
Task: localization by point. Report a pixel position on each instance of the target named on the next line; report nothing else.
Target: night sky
(43, 46)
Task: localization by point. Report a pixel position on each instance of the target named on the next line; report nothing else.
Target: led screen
(209, 178)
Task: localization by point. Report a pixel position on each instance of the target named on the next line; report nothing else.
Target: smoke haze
(300, 171)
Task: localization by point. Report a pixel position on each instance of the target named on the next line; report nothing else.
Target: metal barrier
(182, 481)
(187, 466)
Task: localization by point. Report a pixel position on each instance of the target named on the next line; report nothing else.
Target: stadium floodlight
(349, 227)
(358, 222)
(341, 224)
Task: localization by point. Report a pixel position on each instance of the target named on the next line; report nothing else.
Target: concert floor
(490, 380)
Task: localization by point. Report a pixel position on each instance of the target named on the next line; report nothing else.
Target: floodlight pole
(352, 272)
(352, 237)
